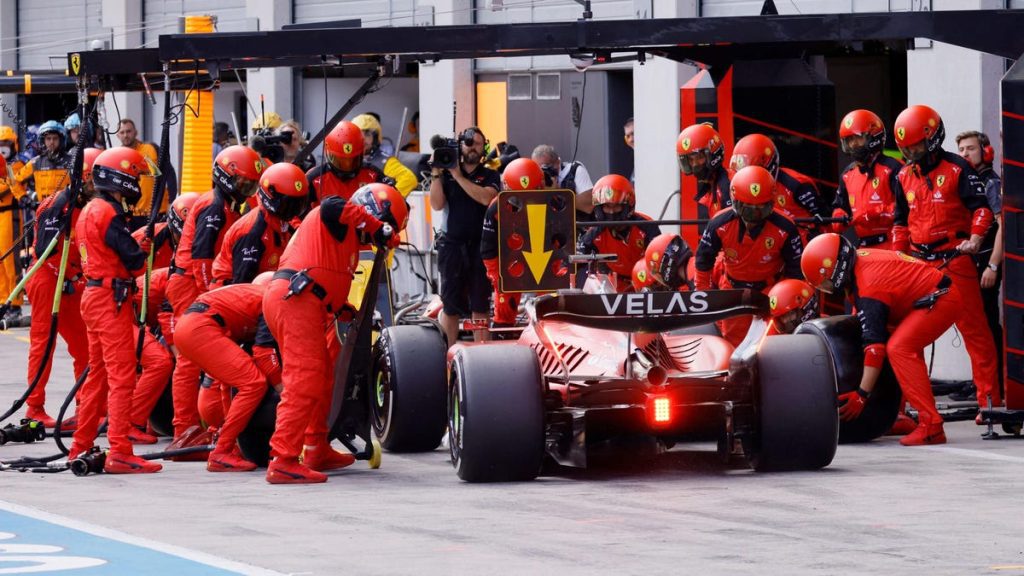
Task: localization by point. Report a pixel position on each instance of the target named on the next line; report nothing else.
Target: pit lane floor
(878, 509)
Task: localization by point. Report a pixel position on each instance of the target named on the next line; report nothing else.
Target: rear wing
(649, 311)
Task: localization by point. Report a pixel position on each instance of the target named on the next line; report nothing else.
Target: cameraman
(463, 192)
(566, 175)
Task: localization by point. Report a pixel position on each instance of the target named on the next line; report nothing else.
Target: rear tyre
(496, 414)
(255, 439)
(796, 401)
(841, 335)
(162, 417)
(409, 395)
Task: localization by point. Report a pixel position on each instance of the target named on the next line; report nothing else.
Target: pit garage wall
(1013, 215)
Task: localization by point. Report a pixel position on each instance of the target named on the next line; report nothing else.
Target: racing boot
(925, 434)
(138, 435)
(902, 426)
(118, 463)
(69, 424)
(228, 462)
(193, 436)
(323, 458)
(77, 450)
(38, 413)
(289, 471)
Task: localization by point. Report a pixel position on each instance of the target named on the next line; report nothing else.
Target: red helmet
(384, 203)
(827, 262)
(523, 174)
(753, 194)
(858, 126)
(177, 213)
(641, 278)
(792, 302)
(118, 170)
(700, 150)
(284, 190)
(236, 172)
(666, 257)
(343, 148)
(916, 125)
(613, 190)
(88, 160)
(755, 150)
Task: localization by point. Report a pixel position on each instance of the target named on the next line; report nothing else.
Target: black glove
(29, 201)
(382, 237)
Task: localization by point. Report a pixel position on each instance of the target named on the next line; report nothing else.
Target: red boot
(69, 424)
(228, 462)
(129, 464)
(40, 414)
(902, 426)
(925, 434)
(323, 458)
(138, 435)
(193, 436)
(77, 450)
(289, 471)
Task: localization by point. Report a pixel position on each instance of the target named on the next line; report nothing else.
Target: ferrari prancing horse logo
(347, 148)
(76, 63)
(755, 189)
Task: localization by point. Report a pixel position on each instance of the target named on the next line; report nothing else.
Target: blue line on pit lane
(33, 546)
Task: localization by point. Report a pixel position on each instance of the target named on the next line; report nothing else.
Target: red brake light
(659, 410)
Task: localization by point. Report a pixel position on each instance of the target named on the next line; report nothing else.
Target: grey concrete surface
(878, 509)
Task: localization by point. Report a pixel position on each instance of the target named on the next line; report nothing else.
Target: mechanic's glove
(29, 201)
(851, 404)
(386, 238)
(146, 244)
(840, 227)
(388, 180)
(347, 314)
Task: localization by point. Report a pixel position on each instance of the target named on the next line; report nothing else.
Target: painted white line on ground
(975, 453)
(102, 532)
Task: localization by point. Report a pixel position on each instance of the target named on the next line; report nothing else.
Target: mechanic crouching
(668, 261)
(758, 244)
(310, 290)
(889, 289)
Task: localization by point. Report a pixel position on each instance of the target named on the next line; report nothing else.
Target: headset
(467, 136)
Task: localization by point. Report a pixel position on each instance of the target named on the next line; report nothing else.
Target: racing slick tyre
(255, 439)
(496, 414)
(841, 335)
(796, 401)
(410, 389)
(163, 413)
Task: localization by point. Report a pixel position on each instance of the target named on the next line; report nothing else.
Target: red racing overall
(324, 183)
(252, 245)
(887, 285)
(207, 223)
(110, 258)
(209, 335)
(945, 206)
(50, 216)
(327, 248)
(868, 196)
(753, 259)
(628, 243)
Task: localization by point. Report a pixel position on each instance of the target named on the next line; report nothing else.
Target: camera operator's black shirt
(466, 215)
